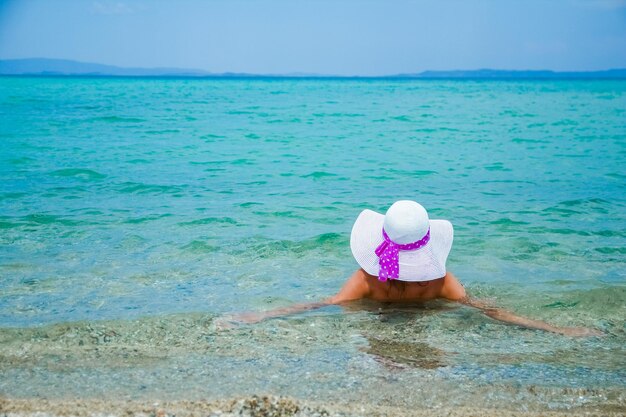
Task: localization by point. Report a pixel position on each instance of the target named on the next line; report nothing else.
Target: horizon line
(201, 73)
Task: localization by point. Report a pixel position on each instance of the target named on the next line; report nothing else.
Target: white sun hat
(414, 248)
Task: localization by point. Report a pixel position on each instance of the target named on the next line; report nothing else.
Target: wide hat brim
(424, 264)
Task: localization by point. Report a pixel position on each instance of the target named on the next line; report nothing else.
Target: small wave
(281, 214)
(586, 232)
(139, 188)
(21, 161)
(262, 182)
(210, 136)
(521, 140)
(616, 176)
(523, 249)
(609, 233)
(327, 242)
(50, 219)
(250, 204)
(117, 119)
(559, 231)
(237, 112)
(199, 246)
(37, 219)
(207, 162)
(318, 174)
(611, 250)
(12, 196)
(90, 107)
(379, 177)
(143, 219)
(571, 155)
(514, 113)
(568, 208)
(242, 161)
(505, 221)
(413, 173)
(497, 166)
(162, 132)
(550, 211)
(565, 122)
(584, 202)
(83, 174)
(8, 225)
(338, 114)
(209, 220)
(402, 118)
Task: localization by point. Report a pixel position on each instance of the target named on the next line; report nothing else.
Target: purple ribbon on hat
(388, 255)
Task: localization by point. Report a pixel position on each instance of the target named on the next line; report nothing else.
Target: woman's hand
(248, 317)
(578, 331)
(230, 321)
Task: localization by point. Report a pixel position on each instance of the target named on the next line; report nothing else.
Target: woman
(402, 256)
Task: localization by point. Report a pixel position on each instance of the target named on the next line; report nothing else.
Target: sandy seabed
(254, 406)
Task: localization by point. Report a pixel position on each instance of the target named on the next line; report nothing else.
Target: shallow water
(135, 212)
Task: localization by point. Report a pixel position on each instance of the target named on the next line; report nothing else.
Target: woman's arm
(454, 291)
(355, 288)
(508, 317)
(257, 316)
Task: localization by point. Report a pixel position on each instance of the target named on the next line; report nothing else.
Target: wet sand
(254, 406)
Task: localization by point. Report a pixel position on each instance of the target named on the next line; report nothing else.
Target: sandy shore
(265, 406)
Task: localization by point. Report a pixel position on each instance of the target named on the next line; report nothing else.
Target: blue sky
(344, 37)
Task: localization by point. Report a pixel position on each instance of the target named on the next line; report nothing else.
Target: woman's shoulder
(452, 288)
(356, 287)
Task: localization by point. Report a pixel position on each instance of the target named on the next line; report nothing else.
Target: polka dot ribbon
(388, 255)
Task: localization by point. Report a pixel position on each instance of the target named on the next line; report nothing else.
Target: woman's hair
(400, 286)
(397, 284)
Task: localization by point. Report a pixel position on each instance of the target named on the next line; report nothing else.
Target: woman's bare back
(398, 291)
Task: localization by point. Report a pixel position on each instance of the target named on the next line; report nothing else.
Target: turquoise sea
(134, 212)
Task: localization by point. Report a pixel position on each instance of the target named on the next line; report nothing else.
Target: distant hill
(64, 67)
(519, 74)
(44, 66)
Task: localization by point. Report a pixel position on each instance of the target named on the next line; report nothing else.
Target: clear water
(133, 212)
